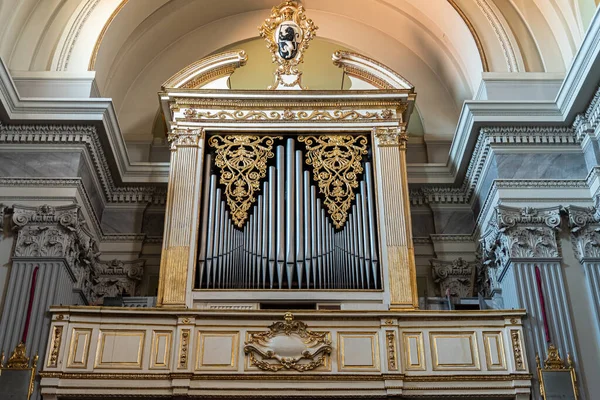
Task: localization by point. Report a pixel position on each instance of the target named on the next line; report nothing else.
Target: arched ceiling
(440, 46)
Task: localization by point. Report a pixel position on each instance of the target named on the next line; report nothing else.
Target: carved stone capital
(391, 137)
(457, 276)
(584, 223)
(115, 277)
(185, 138)
(520, 233)
(46, 231)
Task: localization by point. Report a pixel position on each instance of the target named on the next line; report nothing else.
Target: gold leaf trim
(260, 344)
(336, 162)
(242, 160)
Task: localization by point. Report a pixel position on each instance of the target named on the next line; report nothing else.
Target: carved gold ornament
(290, 345)
(56, 339)
(336, 162)
(242, 160)
(391, 137)
(288, 115)
(515, 338)
(391, 350)
(288, 33)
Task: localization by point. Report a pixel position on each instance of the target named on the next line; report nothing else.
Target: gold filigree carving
(184, 348)
(391, 137)
(18, 359)
(336, 162)
(515, 338)
(553, 360)
(242, 160)
(289, 115)
(391, 349)
(55, 346)
(264, 349)
(288, 33)
(185, 138)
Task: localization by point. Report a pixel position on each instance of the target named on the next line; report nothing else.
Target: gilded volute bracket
(288, 345)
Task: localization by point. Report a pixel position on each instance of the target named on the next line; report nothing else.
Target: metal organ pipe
(288, 240)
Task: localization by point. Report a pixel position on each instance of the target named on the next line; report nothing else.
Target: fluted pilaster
(178, 259)
(395, 220)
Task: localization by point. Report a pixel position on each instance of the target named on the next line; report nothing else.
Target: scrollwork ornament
(265, 349)
(336, 161)
(242, 160)
(288, 33)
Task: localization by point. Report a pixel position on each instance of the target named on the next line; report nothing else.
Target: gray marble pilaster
(520, 240)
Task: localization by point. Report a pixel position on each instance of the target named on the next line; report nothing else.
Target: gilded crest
(288, 345)
(288, 33)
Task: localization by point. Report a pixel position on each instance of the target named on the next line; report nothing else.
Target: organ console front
(287, 194)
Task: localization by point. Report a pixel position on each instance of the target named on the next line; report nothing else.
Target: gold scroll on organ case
(288, 213)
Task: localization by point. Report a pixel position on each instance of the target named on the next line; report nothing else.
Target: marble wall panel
(422, 221)
(453, 221)
(49, 164)
(122, 220)
(541, 166)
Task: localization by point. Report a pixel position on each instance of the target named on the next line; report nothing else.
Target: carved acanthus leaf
(457, 276)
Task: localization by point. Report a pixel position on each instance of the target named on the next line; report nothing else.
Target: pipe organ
(287, 195)
(288, 212)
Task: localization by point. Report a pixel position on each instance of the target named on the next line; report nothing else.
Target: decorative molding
(265, 349)
(370, 71)
(501, 35)
(390, 337)
(56, 340)
(287, 114)
(457, 277)
(515, 338)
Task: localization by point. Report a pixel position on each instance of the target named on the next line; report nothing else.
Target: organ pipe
(289, 240)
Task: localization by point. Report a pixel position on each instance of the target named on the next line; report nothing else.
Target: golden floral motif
(518, 352)
(391, 349)
(262, 349)
(242, 160)
(55, 346)
(184, 347)
(288, 115)
(336, 162)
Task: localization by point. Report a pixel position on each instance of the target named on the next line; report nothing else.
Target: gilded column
(181, 219)
(395, 219)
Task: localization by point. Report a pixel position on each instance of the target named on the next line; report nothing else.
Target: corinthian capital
(391, 137)
(185, 138)
(584, 223)
(46, 231)
(521, 233)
